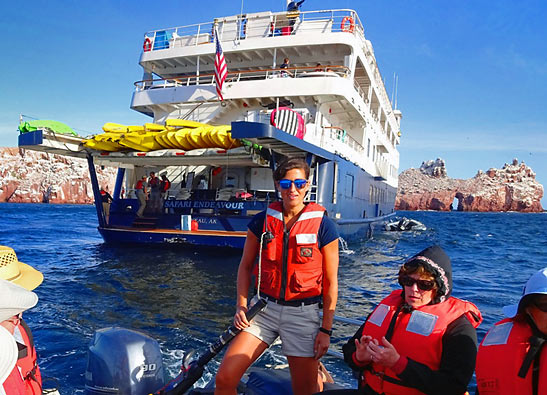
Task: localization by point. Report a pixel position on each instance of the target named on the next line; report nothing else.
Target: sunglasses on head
(424, 285)
(298, 183)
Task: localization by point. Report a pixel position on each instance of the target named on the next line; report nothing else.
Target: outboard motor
(123, 361)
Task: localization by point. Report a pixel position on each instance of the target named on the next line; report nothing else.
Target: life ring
(348, 27)
(147, 46)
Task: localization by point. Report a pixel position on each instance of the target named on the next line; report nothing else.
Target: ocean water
(185, 297)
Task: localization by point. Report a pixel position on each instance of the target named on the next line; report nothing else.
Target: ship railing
(245, 75)
(256, 25)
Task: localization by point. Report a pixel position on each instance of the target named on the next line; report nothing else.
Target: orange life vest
(292, 264)
(500, 357)
(27, 362)
(417, 335)
(14, 384)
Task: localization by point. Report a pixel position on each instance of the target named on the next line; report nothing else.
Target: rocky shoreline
(511, 188)
(37, 177)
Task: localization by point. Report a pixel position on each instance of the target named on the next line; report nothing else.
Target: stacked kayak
(175, 134)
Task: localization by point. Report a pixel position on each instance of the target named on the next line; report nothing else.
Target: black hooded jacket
(459, 341)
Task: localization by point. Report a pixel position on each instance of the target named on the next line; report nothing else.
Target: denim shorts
(296, 326)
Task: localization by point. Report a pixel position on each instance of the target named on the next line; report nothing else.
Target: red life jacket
(500, 357)
(28, 364)
(292, 264)
(14, 384)
(417, 335)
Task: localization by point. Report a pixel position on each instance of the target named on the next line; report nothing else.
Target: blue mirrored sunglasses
(298, 183)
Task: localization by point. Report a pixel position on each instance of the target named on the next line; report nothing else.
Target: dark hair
(289, 164)
(416, 268)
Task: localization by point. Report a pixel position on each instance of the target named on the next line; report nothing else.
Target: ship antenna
(240, 20)
(396, 89)
(393, 90)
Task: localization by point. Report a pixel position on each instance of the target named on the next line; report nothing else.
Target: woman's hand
(240, 319)
(322, 342)
(362, 352)
(384, 354)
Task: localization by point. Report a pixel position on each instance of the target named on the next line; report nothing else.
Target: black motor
(123, 361)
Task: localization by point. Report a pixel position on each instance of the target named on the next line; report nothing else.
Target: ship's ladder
(312, 195)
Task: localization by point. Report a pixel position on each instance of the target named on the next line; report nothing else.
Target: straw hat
(14, 299)
(8, 356)
(18, 272)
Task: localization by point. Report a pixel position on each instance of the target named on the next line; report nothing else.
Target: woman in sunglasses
(297, 267)
(420, 339)
(512, 357)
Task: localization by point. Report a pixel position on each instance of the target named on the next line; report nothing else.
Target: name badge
(498, 334)
(378, 316)
(421, 323)
(306, 238)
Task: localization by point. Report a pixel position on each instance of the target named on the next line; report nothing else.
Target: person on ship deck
(140, 190)
(419, 339)
(297, 269)
(512, 357)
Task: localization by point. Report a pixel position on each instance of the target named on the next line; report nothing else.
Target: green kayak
(54, 126)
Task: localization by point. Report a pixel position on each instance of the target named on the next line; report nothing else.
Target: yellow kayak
(182, 139)
(197, 139)
(161, 138)
(153, 127)
(223, 138)
(183, 123)
(111, 127)
(140, 141)
(99, 145)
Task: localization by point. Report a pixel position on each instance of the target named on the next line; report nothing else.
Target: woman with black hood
(418, 340)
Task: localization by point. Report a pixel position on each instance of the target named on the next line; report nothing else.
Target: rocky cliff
(36, 177)
(511, 188)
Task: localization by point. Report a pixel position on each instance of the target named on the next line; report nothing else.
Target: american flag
(221, 70)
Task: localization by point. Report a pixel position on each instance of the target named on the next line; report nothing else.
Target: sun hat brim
(30, 278)
(8, 356)
(14, 299)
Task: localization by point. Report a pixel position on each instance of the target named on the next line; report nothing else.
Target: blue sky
(472, 73)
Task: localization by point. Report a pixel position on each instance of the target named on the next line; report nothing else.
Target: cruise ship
(298, 83)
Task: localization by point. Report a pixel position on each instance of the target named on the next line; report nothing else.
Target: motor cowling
(123, 361)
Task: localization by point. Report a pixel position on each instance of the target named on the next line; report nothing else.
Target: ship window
(368, 148)
(348, 187)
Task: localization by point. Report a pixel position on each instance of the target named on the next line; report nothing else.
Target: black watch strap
(327, 331)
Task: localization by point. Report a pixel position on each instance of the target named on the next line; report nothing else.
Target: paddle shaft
(194, 372)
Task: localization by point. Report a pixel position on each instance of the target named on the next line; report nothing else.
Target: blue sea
(185, 297)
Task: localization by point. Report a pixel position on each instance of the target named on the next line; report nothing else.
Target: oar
(184, 381)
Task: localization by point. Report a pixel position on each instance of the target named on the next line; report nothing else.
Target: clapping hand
(384, 354)
(362, 352)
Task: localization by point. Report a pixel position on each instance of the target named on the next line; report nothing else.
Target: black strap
(537, 341)
(391, 327)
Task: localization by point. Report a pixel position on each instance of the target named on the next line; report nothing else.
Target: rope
(260, 264)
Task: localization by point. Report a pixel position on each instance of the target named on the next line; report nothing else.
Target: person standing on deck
(155, 193)
(297, 270)
(165, 184)
(107, 200)
(140, 190)
(284, 68)
(512, 357)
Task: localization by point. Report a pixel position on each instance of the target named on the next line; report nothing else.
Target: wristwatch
(327, 331)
